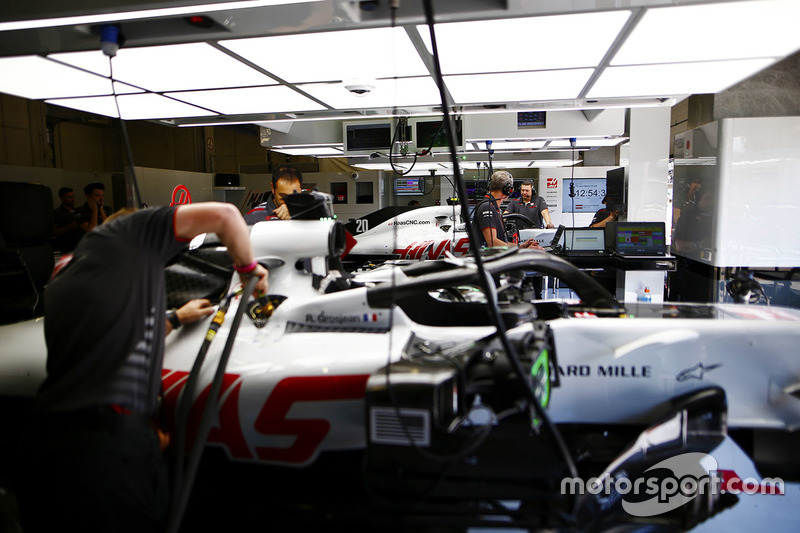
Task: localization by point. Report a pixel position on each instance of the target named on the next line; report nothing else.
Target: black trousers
(91, 472)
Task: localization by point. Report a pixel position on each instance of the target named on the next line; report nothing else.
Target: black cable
(486, 280)
(126, 139)
(572, 195)
(183, 488)
(391, 149)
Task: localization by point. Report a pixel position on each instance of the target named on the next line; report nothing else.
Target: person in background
(413, 203)
(286, 180)
(686, 197)
(533, 207)
(487, 218)
(93, 213)
(66, 232)
(607, 214)
(90, 457)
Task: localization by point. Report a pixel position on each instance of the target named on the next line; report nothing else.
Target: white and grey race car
(438, 393)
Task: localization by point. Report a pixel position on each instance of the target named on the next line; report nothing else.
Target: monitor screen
(408, 186)
(640, 238)
(589, 193)
(585, 239)
(531, 119)
(368, 136)
(431, 134)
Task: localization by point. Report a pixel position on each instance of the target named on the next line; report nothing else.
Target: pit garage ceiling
(189, 63)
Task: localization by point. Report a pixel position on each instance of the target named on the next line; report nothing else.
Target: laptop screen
(585, 239)
(640, 238)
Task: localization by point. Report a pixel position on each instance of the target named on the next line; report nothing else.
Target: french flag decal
(370, 318)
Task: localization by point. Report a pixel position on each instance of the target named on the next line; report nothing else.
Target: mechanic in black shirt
(90, 459)
(607, 214)
(65, 222)
(487, 219)
(286, 180)
(533, 207)
(93, 213)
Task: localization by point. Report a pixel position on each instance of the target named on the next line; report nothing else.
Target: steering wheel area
(513, 222)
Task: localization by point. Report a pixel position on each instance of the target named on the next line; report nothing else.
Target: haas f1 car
(435, 393)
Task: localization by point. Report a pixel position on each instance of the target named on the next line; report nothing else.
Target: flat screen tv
(409, 186)
(589, 193)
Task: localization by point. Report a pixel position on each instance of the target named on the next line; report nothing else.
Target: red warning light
(199, 21)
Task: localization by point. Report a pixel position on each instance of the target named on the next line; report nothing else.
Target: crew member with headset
(532, 207)
(487, 219)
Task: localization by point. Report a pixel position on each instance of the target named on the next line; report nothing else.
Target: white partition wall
(752, 181)
(758, 201)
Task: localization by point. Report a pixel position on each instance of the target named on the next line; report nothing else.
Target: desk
(632, 273)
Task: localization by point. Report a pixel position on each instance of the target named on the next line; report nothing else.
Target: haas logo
(180, 196)
(552, 183)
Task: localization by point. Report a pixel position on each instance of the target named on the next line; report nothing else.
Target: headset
(508, 188)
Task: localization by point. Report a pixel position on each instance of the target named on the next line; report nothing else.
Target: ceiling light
(146, 106)
(124, 88)
(534, 43)
(36, 78)
(675, 78)
(174, 67)
(517, 86)
(272, 99)
(333, 56)
(510, 145)
(98, 105)
(145, 13)
(319, 150)
(731, 30)
(419, 166)
(499, 164)
(386, 93)
(584, 142)
(555, 163)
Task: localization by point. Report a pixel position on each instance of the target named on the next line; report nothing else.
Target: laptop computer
(638, 239)
(584, 242)
(553, 246)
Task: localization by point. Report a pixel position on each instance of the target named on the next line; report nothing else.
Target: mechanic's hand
(263, 282)
(92, 204)
(550, 225)
(532, 244)
(194, 310)
(283, 212)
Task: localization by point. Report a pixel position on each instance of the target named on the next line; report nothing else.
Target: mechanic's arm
(92, 222)
(602, 223)
(546, 217)
(191, 311)
(491, 238)
(227, 222)
(532, 244)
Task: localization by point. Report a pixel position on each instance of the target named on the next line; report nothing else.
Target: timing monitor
(637, 238)
(584, 241)
(430, 133)
(365, 137)
(409, 186)
(587, 194)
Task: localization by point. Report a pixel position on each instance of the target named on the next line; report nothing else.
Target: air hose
(182, 487)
